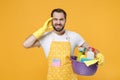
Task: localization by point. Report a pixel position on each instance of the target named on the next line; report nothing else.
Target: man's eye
(61, 19)
(54, 19)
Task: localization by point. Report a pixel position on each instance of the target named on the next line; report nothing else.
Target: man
(58, 45)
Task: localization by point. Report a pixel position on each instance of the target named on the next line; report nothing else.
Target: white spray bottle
(90, 54)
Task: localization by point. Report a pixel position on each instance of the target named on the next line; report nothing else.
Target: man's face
(58, 22)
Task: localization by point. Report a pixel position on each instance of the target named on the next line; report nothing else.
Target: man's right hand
(40, 31)
(47, 24)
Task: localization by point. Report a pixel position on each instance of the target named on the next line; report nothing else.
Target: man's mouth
(58, 24)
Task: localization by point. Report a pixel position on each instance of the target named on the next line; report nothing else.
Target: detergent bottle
(90, 54)
(81, 53)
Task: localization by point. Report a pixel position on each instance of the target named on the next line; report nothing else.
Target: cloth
(75, 40)
(60, 67)
(99, 58)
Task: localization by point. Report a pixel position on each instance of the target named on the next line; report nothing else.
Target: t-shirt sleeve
(42, 39)
(79, 40)
(45, 43)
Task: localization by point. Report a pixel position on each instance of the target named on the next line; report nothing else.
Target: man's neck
(60, 33)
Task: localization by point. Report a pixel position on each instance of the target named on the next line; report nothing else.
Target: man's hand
(100, 58)
(40, 31)
(47, 23)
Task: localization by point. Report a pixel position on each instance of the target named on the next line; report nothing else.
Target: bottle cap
(93, 49)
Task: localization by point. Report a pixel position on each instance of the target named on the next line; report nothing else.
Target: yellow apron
(60, 67)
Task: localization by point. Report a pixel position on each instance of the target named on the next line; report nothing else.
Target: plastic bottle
(90, 54)
(80, 53)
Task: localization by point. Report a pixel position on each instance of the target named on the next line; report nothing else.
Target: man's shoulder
(48, 33)
(72, 32)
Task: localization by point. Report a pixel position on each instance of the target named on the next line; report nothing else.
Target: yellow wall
(98, 21)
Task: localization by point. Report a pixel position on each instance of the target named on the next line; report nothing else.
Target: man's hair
(59, 11)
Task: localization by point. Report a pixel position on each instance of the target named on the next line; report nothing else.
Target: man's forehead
(58, 15)
(58, 18)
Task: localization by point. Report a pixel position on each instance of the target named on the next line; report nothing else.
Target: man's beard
(57, 29)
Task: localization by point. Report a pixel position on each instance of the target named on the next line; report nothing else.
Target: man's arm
(85, 45)
(31, 41)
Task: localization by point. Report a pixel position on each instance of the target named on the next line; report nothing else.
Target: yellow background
(98, 21)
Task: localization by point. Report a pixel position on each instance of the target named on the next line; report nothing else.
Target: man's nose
(58, 22)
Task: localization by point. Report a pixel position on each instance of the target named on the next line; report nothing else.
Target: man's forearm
(29, 42)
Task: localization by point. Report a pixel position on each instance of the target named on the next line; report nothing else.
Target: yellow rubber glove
(100, 58)
(40, 31)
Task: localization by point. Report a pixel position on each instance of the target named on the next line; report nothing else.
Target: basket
(81, 69)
